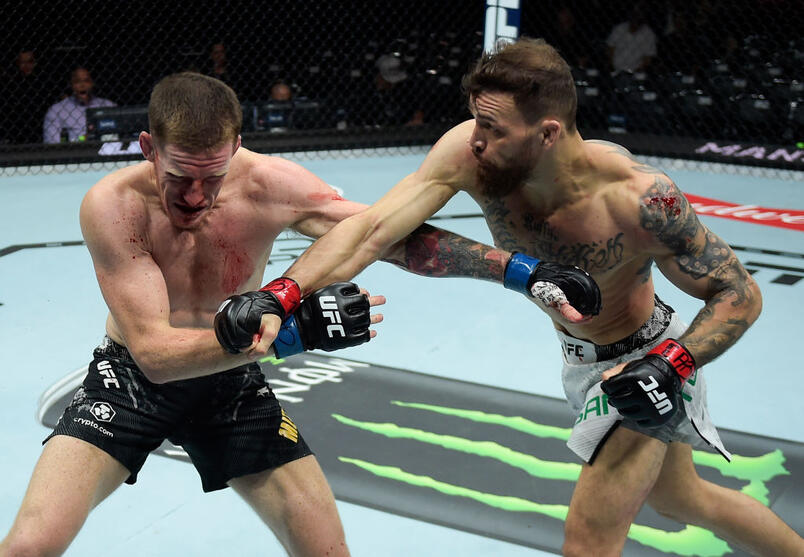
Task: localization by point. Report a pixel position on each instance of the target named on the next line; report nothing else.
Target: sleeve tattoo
(433, 252)
(731, 296)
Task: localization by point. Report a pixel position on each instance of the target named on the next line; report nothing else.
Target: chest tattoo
(498, 218)
(592, 257)
(538, 238)
(539, 228)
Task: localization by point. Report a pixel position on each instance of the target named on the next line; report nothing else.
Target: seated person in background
(568, 38)
(217, 65)
(281, 92)
(277, 114)
(70, 114)
(391, 100)
(221, 67)
(632, 43)
(25, 101)
(686, 46)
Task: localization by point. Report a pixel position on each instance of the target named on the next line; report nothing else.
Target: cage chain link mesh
(321, 77)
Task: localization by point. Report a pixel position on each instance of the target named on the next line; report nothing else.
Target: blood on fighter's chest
(229, 264)
(237, 269)
(216, 271)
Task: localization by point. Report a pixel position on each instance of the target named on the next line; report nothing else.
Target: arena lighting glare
(502, 22)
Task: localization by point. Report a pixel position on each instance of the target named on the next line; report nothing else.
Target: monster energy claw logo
(690, 541)
(484, 460)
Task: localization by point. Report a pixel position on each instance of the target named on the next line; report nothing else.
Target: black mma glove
(648, 390)
(333, 317)
(239, 317)
(581, 290)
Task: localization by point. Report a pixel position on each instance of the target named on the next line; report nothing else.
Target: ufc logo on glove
(329, 307)
(657, 397)
(334, 317)
(661, 374)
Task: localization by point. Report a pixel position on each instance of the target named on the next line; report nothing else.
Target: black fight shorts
(229, 423)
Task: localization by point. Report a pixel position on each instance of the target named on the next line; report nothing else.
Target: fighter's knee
(25, 541)
(311, 531)
(25, 546)
(578, 547)
(669, 508)
(571, 548)
(330, 543)
(682, 507)
(575, 540)
(584, 536)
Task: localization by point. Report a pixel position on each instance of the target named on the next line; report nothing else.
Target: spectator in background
(686, 47)
(25, 101)
(278, 115)
(391, 101)
(718, 23)
(632, 44)
(566, 36)
(26, 62)
(220, 67)
(281, 92)
(69, 116)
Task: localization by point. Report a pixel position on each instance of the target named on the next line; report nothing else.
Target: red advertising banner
(782, 218)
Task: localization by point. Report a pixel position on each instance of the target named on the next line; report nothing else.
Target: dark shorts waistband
(111, 349)
(652, 329)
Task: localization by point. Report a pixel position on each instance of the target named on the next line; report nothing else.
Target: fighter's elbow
(376, 241)
(154, 375)
(743, 300)
(373, 250)
(754, 297)
(149, 362)
(151, 369)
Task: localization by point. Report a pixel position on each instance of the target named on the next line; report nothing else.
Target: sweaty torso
(226, 254)
(597, 229)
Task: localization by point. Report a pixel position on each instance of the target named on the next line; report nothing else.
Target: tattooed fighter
(632, 373)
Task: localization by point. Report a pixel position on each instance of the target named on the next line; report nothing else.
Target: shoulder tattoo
(698, 252)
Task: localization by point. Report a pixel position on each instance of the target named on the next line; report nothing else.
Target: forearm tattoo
(703, 256)
(433, 252)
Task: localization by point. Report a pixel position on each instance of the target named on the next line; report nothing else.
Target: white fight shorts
(584, 364)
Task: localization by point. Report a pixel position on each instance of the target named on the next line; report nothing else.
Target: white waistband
(576, 351)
